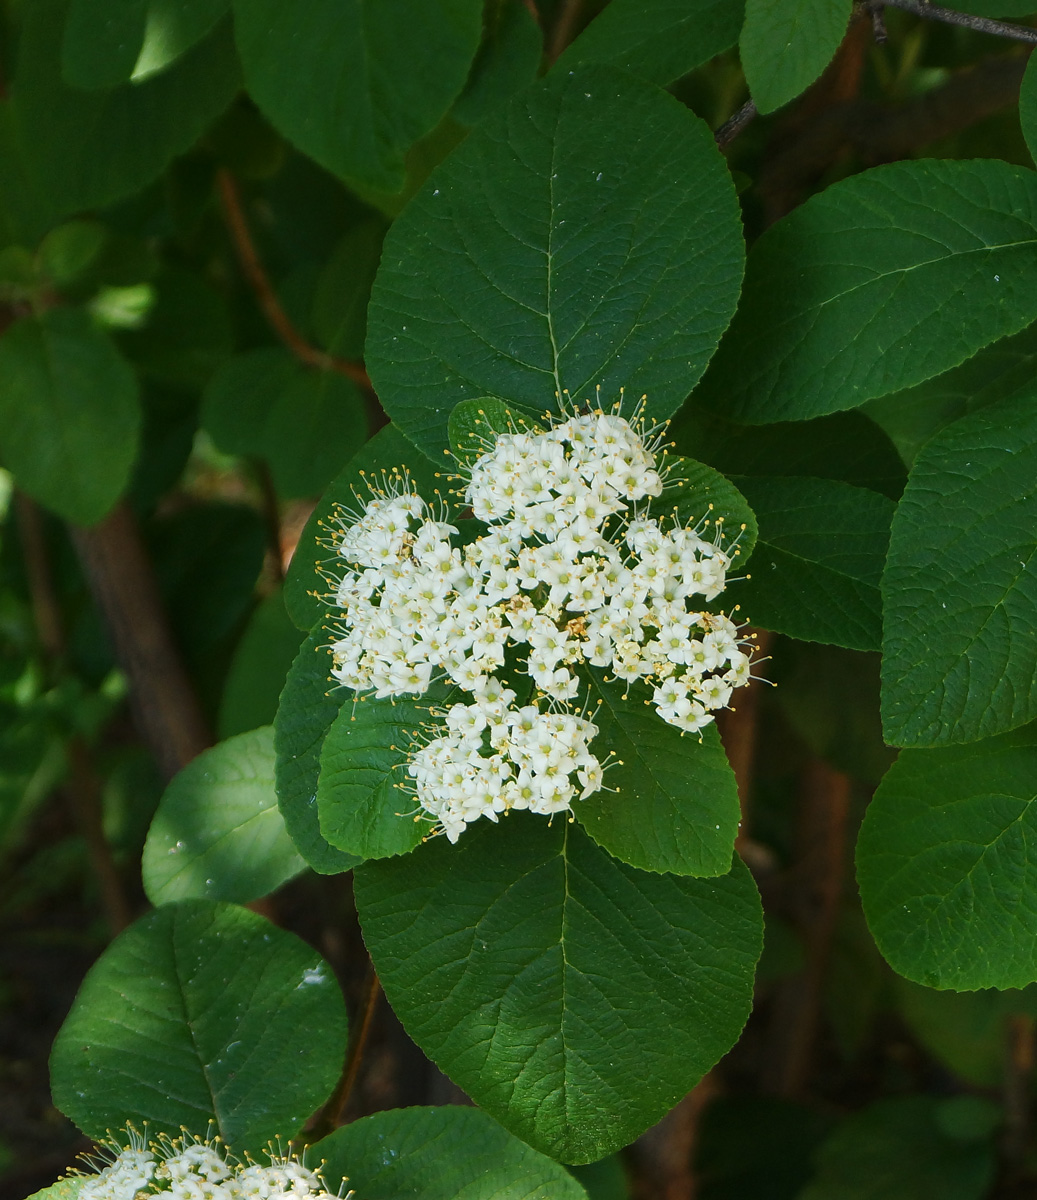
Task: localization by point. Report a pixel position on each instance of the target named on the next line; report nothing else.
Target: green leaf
(70, 250)
(361, 810)
(946, 865)
(440, 1154)
(785, 46)
(508, 61)
(1028, 107)
(352, 85)
(964, 1031)
(217, 834)
(604, 1179)
(88, 149)
(912, 416)
(573, 998)
(258, 670)
(69, 413)
(674, 806)
(695, 492)
(110, 42)
(960, 587)
(848, 447)
(836, 293)
(303, 422)
(660, 40)
(818, 563)
(201, 1012)
(898, 1150)
(474, 424)
(305, 591)
(64, 1189)
(343, 290)
(519, 298)
(309, 705)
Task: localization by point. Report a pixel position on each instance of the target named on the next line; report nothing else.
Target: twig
(950, 16)
(124, 587)
(330, 1116)
(259, 281)
(562, 33)
(733, 126)
(878, 25)
(1016, 1094)
(83, 790)
(271, 516)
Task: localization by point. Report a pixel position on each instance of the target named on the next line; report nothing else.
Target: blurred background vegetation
(234, 283)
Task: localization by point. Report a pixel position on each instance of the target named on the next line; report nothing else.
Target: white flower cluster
(569, 570)
(189, 1169)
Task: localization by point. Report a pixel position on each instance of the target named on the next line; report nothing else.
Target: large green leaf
(960, 587)
(360, 808)
(87, 149)
(309, 704)
(947, 868)
(906, 1148)
(201, 1012)
(818, 562)
(912, 416)
(674, 803)
(305, 591)
(786, 44)
(508, 60)
(107, 42)
(440, 1154)
(660, 40)
(521, 297)
(305, 423)
(217, 834)
(574, 998)
(879, 282)
(355, 85)
(69, 413)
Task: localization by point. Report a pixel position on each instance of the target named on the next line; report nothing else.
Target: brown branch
(266, 297)
(665, 1154)
(83, 789)
(562, 33)
(123, 584)
(1016, 1090)
(820, 875)
(950, 16)
(330, 1116)
(271, 516)
(733, 126)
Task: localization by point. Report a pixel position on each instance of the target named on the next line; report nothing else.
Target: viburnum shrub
(352, 605)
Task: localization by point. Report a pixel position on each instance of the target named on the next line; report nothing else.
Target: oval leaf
(309, 704)
(672, 803)
(217, 834)
(786, 44)
(414, 1152)
(341, 81)
(960, 587)
(660, 40)
(836, 293)
(518, 298)
(545, 977)
(947, 868)
(69, 414)
(201, 1012)
(819, 560)
(262, 660)
(360, 808)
